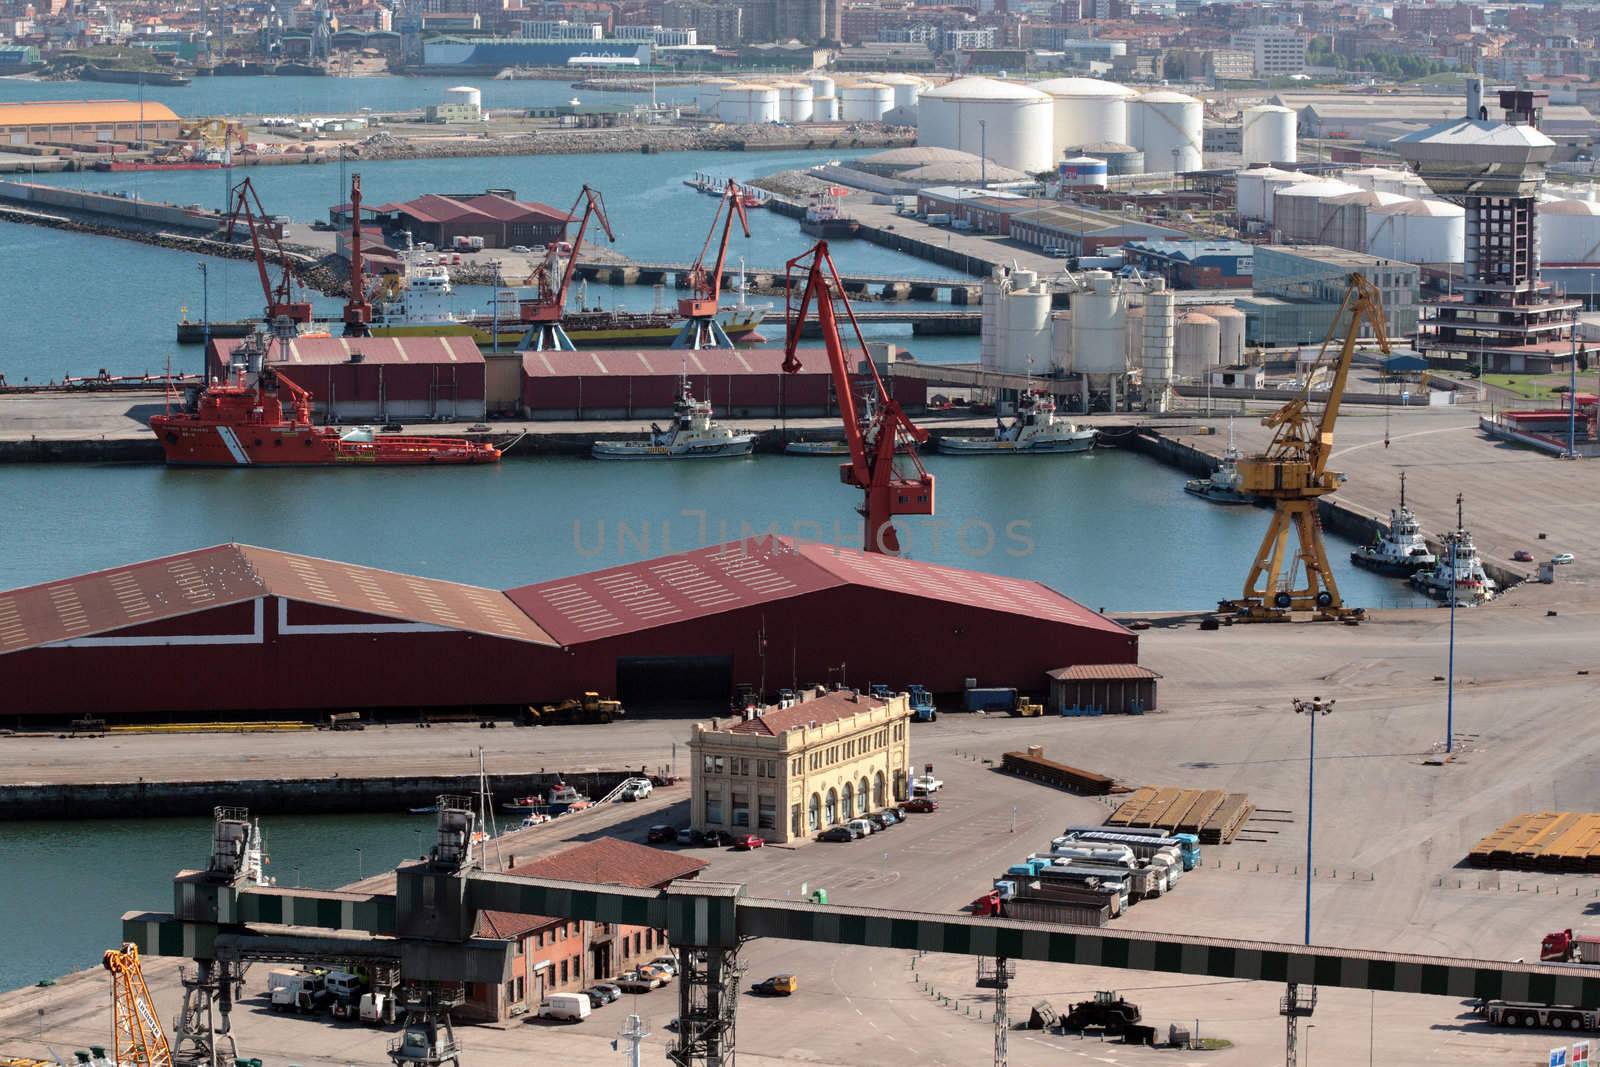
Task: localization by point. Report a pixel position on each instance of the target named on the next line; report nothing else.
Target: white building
(956, 40)
(1278, 50)
(661, 36)
(560, 30)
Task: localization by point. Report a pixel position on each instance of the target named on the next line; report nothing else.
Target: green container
(819, 896)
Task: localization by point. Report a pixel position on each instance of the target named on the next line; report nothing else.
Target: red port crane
(543, 313)
(702, 330)
(357, 309)
(281, 302)
(879, 435)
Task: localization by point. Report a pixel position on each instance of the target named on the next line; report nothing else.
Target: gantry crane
(137, 1039)
(543, 313)
(1293, 473)
(357, 308)
(281, 303)
(885, 433)
(701, 328)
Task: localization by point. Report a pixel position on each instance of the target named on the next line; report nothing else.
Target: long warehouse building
(235, 631)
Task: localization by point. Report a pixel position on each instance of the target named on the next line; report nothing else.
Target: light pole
(983, 152)
(1312, 709)
(1450, 657)
(205, 304)
(1572, 392)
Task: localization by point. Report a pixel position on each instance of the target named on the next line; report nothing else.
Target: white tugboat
(1401, 550)
(1034, 428)
(694, 434)
(1223, 485)
(1458, 567)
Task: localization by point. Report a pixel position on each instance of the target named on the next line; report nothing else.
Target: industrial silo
(1196, 344)
(1120, 158)
(1061, 341)
(1268, 134)
(1569, 232)
(825, 109)
(1274, 183)
(907, 90)
(1008, 123)
(822, 85)
(1133, 337)
(1099, 323)
(1166, 127)
(1250, 191)
(1230, 332)
(1086, 111)
(1159, 306)
(708, 94)
(795, 101)
(1081, 172)
(748, 102)
(465, 96)
(865, 101)
(1297, 209)
(1421, 231)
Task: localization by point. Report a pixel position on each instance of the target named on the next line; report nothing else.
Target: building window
(830, 811)
(849, 801)
(705, 764)
(577, 969)
(815, 817)
(741, 806)
(794, 820)
(563, 972)
(714, 805)
(864, 797)
(638, 940)
(766, 812)
(716, 764)
(798, 766)
(882, 791)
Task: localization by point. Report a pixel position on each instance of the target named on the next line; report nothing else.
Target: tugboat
(825, 219)
(1223, 485)
(694, 434)
(1401, 550)
(1458, 567)
(259, 418)
(1034, 428)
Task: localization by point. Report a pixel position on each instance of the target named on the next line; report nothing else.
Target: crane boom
(137, 1039)
(544, 312)
(280, 297)
(357, 309)
(707, 285)
(878, 435)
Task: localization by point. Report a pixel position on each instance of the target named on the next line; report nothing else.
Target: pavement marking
(1398, 437)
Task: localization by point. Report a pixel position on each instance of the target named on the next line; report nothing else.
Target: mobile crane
(701, 328)
(282, 307)
(543, 313)
(881, 433)
(1293, 473)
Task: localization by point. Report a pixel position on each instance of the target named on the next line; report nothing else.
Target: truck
(938, 218)
(993, 698)
(922, 709)
(1028, 868)
(1106, 1011)
(300, 991)
(1062, 892)
(1144, 883)
(1563, 946)
(1188, 845)
(1079, 876)
(1167, 856)
(587, 709)
(377, 1009)
(1528, 1016)
(1115, 855)
(1070, 912)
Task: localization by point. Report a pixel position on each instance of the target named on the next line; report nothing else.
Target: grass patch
(1531, 386)
(1213, 1044)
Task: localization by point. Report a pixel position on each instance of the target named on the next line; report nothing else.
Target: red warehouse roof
(663, 361)
(328, 351)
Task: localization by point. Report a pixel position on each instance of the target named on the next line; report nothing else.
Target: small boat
(694, 434)
(1034, 428)
(528, 803)
(532, 819)
(1459, 568)
(1223, 485)
(817, 448)
(1400, 551)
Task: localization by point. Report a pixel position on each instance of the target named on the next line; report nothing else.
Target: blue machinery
(426, 926)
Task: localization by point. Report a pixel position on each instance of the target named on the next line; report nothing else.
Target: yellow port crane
(1293, 473)
(137, 1039)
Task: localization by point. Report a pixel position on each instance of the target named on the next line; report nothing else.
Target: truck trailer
(1528, 1016)
(1563, 946)
(1142, 841)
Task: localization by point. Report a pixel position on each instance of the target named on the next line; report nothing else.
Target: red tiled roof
(824, 709)
(510, 925)
(432, 207)
(612, 861)
(1103, 672)
(330, 351)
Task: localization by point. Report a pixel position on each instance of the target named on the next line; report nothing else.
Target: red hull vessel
(240, 424)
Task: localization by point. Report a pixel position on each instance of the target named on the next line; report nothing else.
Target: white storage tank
(748, 103)
(1166, 127)
(1268, 134)
(1016, 130)
(907, 89)
(708, 94)
(464, 95)
(825, 109)
(1273, 184)
(1230, 332)
(1569, 232)
(1082, 172)
(865, 101)
(1086, 111)
(822, 85)
(1159, 307)
(1196, 344)
(1249, 186)
(1099, 323)
(1422, 231)
(1297, 209)
(1016, 325)
(795, 101)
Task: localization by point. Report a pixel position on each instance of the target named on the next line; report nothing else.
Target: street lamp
(1311, 709)
(205, 303)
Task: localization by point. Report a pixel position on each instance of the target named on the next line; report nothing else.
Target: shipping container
(991, 699)
(1060, 775)
(1050, 911)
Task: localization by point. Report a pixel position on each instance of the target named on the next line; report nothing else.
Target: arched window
(882, 791)
(830, 811)
(814, 812)
(863, 792)
(849, 801)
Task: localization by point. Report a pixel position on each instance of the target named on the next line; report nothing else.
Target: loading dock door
(660, 680)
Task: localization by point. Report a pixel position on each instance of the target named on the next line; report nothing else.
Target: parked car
(661, 973)
(860, 826)
(519, 249)
(746, 842)
(837, 833)
(665, 963)
(609, 990)
(779, 985)
(659, 833)
(894, 815)
(879, 821)
(1565, 557)
(687, 836)
(1522, 555)
(597, 997)
(635, 789)
(716, 838)
(921, 804)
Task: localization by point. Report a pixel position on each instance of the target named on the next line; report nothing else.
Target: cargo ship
(91, 73)
(118, 166)
(243, 422)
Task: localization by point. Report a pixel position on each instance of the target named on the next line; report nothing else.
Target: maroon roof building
(496, 216)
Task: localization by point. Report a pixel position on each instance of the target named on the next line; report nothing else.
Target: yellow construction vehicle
(137, 1039)
(1293, 473)
(590, 709)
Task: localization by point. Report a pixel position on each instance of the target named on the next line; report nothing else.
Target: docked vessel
(118, 166)
(1222, 487)
(561, 798)
(1034, 428)
(1458, 567)
(826, 219)
(694, 434)
(817, 448)
(749, 196)
(1399, 551)
(244, 422)
(92, 73)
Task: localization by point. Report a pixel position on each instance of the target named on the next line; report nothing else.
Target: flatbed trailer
(1528, 1016)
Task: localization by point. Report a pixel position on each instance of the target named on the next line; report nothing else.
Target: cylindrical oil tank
(1166, 127)
(1099, 321)
(748, 103)
(1425, 231)
(1120, 158)
(1297, 210)
(907, 88)
(464, 94)
(1007, 122)
(794, 101)
(1569, 231)
(1025, 342)
(822, 85)
(1082, 172)
(1268, 134)
(1195, 345)
(708, 94)
(825, 109)
(1086, 111)
(865, 101)
(1159, 306)
(1272, 184)
(1230, 332)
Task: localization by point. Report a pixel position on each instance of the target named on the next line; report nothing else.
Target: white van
(342, 985)
(572, 1007)
(861, 827)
